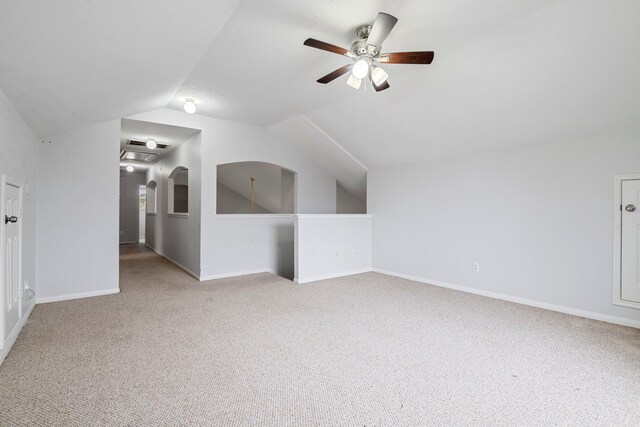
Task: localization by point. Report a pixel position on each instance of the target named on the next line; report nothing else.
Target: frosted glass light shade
(129, 168)
(189, 106)
(151, 144)
(379, 76)
(360, 69)
(354, 82)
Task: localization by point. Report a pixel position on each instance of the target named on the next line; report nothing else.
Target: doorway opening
(142, 212)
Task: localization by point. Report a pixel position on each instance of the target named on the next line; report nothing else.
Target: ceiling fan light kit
(366, 51)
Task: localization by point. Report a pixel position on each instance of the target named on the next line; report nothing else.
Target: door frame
(617, 240)
(4, 181)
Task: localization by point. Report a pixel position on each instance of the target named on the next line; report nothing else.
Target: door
(630, 243)
(11, 261)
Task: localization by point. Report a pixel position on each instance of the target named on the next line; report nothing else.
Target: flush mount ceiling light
(366, 51)
(190, 105)
(129, 168)
(151, 144)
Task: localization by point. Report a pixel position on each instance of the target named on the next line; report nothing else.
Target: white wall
(250, 244)
(538, 220)
(18, 160)
(347, 203)
(177, 236)
(331, 246)
(129, 211)
(226, 142)
(77, 219)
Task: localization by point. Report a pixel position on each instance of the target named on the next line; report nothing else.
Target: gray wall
(77, 218)
(177, 236)
(129, 212)
(347, 203)
(538, 219)
(230, 202)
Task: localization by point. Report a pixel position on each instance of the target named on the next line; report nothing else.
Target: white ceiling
(506, 72)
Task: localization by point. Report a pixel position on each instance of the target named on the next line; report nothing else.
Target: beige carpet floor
(365, 350)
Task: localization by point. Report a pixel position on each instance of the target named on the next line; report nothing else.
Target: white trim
(133, 242)
(331, 276)
(334, 142)
(240, 273)
(525, 301)
(13, 336)
(67, 297)
(333, 216)
(617, 240)
(186, 270)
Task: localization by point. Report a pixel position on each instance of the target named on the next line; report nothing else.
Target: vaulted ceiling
(506, 72)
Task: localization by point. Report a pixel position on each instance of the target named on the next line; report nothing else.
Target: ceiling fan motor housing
(359, 47)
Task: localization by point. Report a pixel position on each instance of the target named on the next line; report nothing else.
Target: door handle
(11, 219)
(630, 208)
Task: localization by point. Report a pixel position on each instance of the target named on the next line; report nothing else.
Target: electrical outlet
(475, 267)
(19, 292)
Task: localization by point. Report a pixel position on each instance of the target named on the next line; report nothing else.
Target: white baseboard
(78, 295)
(191, 273)
(330, 276)
(13, 336)
(239, 273)
(533, 303)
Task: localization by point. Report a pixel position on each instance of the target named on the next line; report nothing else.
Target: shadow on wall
(255, 188)
(285, 237)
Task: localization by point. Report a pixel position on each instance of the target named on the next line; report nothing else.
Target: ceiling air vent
(137, 155)
(144, 144)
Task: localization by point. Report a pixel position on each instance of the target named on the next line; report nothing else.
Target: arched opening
(151, 197)
(178, 191)
(255, 188)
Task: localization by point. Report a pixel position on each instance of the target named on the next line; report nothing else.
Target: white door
(630, 276)
(11, 261)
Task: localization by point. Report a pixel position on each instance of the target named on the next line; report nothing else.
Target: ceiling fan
(366, 53)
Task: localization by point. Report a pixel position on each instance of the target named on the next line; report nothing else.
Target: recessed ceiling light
(129, 168)
(151, 144)
(190, 106)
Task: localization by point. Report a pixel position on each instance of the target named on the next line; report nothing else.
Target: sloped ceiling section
(506, 73)
(68, 64)
(562, 72)
(314, 143)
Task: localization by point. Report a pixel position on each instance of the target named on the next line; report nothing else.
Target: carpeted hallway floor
(366, 350)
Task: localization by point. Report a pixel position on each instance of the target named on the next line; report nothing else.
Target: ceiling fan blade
(407, 58)
(335, 74)
(328, 47)
(381, 28)
(382, 86)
